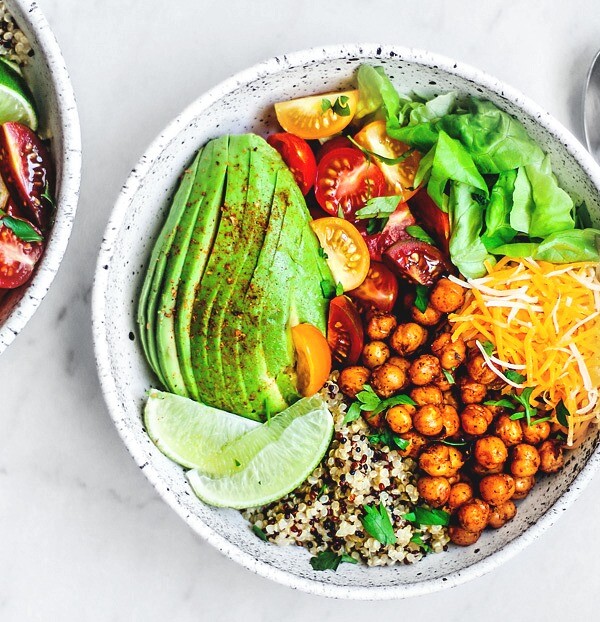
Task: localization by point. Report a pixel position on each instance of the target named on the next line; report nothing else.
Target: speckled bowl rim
(121, 209)
(28, 12)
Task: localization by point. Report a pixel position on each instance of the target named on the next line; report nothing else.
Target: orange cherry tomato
(347, 252)
(312, 117)
(313, 364)
(400, 177)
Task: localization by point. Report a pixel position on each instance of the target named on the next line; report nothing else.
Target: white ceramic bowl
(48, 79)
(244, 103)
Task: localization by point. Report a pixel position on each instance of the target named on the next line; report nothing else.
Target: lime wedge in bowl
(269, 461)
(16, 102)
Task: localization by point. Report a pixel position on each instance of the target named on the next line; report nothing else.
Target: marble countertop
(84, 535)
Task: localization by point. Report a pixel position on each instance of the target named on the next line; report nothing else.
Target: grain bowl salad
(374, 330)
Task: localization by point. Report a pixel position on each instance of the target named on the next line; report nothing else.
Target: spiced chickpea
(352, 380)
(471, 392)
(522, 486)
(473, 516)
(374, 420)
(462, 537)
(441, 460)
(416, 444)
(508, 430)
(442, 383)
(480, 470)
(501, 514)
(388, 379)
(525, 460)
(475, 419)
(551, 456)
(497, 489)
(450, 420)
(490, 452)
(428, 420)
(434, 490)
(430, 317)
(380, 326)
(536, 432)
(460, 493)
(428, 394)
(448, 398)
(478, 369)
(447, 296)
(451, 353)
(401, 362)
(374, 354)
(424, 369)
(399, 418)
(408, 338)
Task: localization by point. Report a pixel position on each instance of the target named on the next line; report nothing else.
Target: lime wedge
(189, 433)
(268, 462)
(16, 101)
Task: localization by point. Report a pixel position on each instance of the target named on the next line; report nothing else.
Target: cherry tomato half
(394, 230)
(345, 333)
(298, 155)
(346, 179)
(333, 143)
(313, 355)
(379, 290)
(416, 261)
(431, 217)
(17, 258)
(27, 170)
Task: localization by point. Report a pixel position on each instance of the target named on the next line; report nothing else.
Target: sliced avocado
(199, 249)
(146, 312)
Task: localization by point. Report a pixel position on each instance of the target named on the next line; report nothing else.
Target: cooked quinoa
(325, 512)
(13, 43)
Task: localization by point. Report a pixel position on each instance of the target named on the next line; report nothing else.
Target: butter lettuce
(497, 215)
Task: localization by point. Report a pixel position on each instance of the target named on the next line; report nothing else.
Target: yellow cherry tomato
(347, 253)
(317, 116)
(313, 355)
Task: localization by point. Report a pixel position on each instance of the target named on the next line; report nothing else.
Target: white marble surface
(83, 534)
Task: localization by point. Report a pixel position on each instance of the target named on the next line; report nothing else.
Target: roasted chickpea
(388, 379)
(508, 430)
(450, 420)
(440, 342)
(525, 460)
(408, 338)
(417, 442)
(471, 392)
(536, 432)
(447, 296)
(441, 460)
(374, 420)
(441, 382)
(352, 380)
(462, 537)
(501, 514)
(478, 469)
(497, 489)
(380, 326)
(490, 452)
(551, 456)
(375, 354)
(426, 395)
(430, 317)
(424, 369)
(522, 486)
(460, 493)
(434, 490)
(399, 418)
(473, 515)
(475, 419)
(428, 420)
(401, 362)
(451, 353)
(449, 399)
(479, 371)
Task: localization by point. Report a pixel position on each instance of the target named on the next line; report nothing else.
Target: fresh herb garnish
(21, 228)
(562, 413)
(328, 560)
(454, 443)
(416, 539)
(448, 375)
(353, 413)
(369, 401)
(322, 253)
(420, 234)
(376, 225)
(389, 161)
(387, 437)
(237, 462)
(425, 516)
(340, 213)
(378, 207)
(47, 196)
(422, 298)
(377, 523)
(515, 376)
(324, 490)
(542, 420)
(339, 289)
(488, 347)
(523, 399)
(259, 532)
(327, 288)
(503, 403)
(340, 106)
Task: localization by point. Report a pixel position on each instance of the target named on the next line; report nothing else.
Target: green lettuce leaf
(497, 216)
(523, 206)
(376, 92)
(560, 247)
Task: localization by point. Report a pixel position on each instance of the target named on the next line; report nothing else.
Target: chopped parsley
(328, 560)
(378, 207)
(449, 377)
(529, 410)
(562, 414)
(416, 539)
(259, 532)
(339, 289)
(340, 106)
(377, 523)
(422, 298)
(24, 230)
(426, 516)
(387, 437)
(369, 401)
(488, 347)
(322, 253)
(420, 234)
(503, 403)
(327, 288)
(515, 376)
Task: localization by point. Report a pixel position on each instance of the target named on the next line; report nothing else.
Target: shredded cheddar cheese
(544, 322)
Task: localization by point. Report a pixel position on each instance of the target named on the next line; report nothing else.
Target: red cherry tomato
(344, 331)
(347, 180)
(416, 261)
(394, 230)
(379, 290)
(17, 258)
(27, 170)
(338, 142)
(431, 217)
(298, 155)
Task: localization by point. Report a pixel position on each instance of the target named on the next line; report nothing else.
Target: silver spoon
(591, 108)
